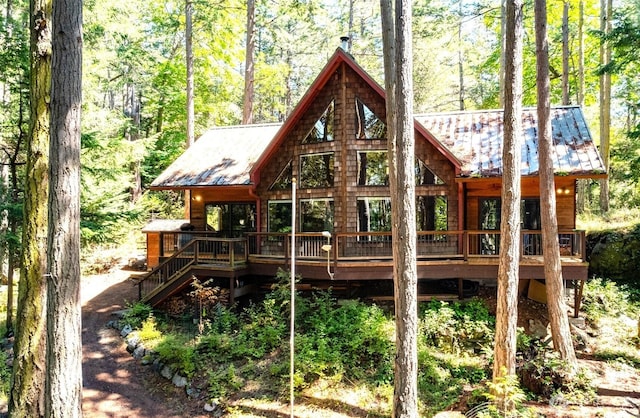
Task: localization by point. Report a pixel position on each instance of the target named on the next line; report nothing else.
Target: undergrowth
(342, 344)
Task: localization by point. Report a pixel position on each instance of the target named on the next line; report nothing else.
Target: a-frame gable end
(283, 181)
(368, 124)
(424, 175)
(324, 128)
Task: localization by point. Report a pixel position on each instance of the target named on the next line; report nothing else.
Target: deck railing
(430, 245)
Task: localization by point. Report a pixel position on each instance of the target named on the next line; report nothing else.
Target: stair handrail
(191, 245)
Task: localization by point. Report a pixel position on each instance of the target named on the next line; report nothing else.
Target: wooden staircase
(200, 257)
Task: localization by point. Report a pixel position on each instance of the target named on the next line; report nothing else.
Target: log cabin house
(240, 181)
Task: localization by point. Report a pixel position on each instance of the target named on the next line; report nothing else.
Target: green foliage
(457, 326)
(605, 298)
(149, 331)
(453, 341)
(136, 314)
(505, 395)
(5, 376)
(545, 374)
(351, 339)
(178, 351)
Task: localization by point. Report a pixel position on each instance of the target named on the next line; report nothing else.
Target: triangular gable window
(424, 175)
(322, 130)
(283, 182)
(368, 124)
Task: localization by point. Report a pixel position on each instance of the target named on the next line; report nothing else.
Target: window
(231, 220)
(316, 170)
(490, 213)
(279, 216)
(368, 125)
(424, 175)
(316, 215)
(322, 130)
(431, 213)
(374, 214)
(373, 168)
(283, 181)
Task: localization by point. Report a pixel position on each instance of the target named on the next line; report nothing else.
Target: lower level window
(374, 214)
(279, 213)
(431, 213)
(316, 215)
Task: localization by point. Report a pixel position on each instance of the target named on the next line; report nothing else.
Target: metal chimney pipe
(344, 43)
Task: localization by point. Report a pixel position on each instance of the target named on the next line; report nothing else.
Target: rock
(179, 381)
(211, 406)
(578, 322)
(166, 372)
(132, 340)
(139, 352)
(537, 329)
(157, 365)
(126, 330)
(193, 392)
(449, 414)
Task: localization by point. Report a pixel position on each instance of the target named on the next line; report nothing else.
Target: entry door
(490, 210)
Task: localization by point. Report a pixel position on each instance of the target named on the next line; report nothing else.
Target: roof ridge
(459, 112)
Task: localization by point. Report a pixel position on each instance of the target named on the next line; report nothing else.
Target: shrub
(177, 351)
(135, 314)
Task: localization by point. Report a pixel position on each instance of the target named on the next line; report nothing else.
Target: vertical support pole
(293, 292)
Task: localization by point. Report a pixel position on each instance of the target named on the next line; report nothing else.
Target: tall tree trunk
(556, 306)
(188, 35)
(503, 25)
(605, 102)
(64, 338)
(581, 184)
(460, 59)
(247, 110)
(28, 375)
(402, 189)
(508, 269)
(565, 54)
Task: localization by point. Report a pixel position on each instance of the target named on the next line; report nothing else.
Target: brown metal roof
(475, 138)
(223, 156)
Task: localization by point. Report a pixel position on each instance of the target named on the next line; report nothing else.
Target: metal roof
(222, 156)
(225, 156)
(476, 138)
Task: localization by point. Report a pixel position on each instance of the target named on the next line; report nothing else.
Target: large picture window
(316, 170)
(374, 214)
(368, 124)
(316, 215)
(373, 168)
(279, 216)
(431, 213)
(322, 130)
(231, 220)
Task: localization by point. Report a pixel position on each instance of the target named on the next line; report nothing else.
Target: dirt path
(115, 385)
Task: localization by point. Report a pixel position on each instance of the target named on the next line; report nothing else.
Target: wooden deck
(346, 258)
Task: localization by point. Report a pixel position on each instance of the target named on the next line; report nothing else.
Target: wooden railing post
(232, 254)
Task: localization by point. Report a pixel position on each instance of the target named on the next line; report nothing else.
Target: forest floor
(116, 385)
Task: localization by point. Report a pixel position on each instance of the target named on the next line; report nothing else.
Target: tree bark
(247, 109)
(188, 35)
(565, 54)
(508, 269)
(28, 375)
(502, 71)
(556, 306)
(64, 339)
(605, 102)
(399, 85)
(581, 188)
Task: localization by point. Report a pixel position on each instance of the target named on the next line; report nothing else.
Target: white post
(293, 290)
